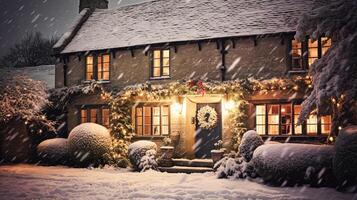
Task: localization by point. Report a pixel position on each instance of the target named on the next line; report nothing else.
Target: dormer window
(160, 63)
(98, 67)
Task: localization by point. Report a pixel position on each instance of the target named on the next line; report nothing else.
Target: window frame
(99, 111)
(292, 123)
(305, 53)
(152, 106)
(152, 59)
(96, 67)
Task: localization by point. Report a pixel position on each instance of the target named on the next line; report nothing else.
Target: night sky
(51, 17)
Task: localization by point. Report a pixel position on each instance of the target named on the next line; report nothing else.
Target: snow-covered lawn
(37, 182)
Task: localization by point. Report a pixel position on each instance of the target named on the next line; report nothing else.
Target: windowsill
(150, 137)
(95, 81)
(160, 78)
(293, 72)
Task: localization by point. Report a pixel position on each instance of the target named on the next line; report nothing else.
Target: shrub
(137, 150)
(250, 141)
(294, 163)
(345, 160)
(54, 151)
(148, 161)
(89, 143)
(232, 166)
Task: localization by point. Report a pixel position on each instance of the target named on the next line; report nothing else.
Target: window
(152, 120)
(161, 63)
(315, 50)
(296, 54)
(98, 68)
(282, 119)
(95, 114)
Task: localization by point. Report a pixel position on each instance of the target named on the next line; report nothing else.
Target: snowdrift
(250, 141)
(54, 151)
(137, 151)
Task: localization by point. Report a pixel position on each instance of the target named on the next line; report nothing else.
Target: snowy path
(34, 182)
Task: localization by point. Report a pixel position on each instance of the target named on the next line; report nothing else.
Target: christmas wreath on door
(207, 117)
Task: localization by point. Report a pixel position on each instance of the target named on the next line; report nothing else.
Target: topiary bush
(89, 143)
(287, 164)
(250, 141)
(345, 159)
(54, 151)
(137, 151)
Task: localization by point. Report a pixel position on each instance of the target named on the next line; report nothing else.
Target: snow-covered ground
(37, 182)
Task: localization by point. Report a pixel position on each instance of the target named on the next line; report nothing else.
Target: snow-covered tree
(22, 97)
(335, 74)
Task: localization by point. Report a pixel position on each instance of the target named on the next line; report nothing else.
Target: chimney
(93, 4)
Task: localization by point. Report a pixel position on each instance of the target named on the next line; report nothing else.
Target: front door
(206, 137)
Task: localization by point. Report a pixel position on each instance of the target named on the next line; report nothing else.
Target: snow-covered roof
(162, 21)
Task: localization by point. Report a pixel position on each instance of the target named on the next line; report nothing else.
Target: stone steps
(194, 163)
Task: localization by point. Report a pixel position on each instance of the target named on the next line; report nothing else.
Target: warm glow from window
(313, 51)
(103, 67)
(326, 124)
(273, 119)
(260, 119)
(325, 44)
(89, 68)
(311, 125)
(161, 63)
(296, 54)
(152, 120)
(105, 117)
(297, 111)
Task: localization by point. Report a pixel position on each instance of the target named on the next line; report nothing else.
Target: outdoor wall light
(229, 105)
(177, 108)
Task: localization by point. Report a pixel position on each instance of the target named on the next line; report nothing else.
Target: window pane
(285, 119)
(99, 59)
(157, 54)
(139, 130)
(326, 44)
(156, 130)
(311, 126)
(313, 51)
(165, 110)
(297, 110)
(273, 119)
(156, 111)
(147, 130)
(166, 62)
(166, 71)
(326, 124)
(139, 111)
(166, 53)
(296, 54)
(260, 119)
(139, 121)
(105, 66)
(165, 120)
(261, 129)
(93, 115)
(105, 117)
(156, 120)
(105, 75)
(106, 58)
(157, 72)
(147, 111)
(165, 130)
(83, 116)
(89, 60)
(157, 63)
(260, 109)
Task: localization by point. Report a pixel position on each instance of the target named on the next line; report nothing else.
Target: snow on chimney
(93, 4)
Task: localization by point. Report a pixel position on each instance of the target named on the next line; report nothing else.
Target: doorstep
(189, 166)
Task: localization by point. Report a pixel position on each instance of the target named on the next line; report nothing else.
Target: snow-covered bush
(24, 98)
(89, 143)
(294, 163)
(137, 150)
(250, 141)
(148, 161)
(345, 160)
(233, 166)
(54, 151)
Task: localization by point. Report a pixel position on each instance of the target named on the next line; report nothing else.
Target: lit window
(313, 51)
(95, 114)
(152, 120)
(260, 119)
(285, 117)
(296, 55)
(326, 44)
(89, 68)
(103, 67)
(282, 117)
(273, 119)
(326, 124)
(297, 111)
(98, 68)
(161, 63)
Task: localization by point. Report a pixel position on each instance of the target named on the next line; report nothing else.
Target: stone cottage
(161, 41)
